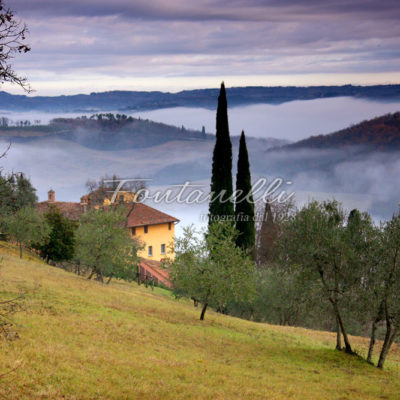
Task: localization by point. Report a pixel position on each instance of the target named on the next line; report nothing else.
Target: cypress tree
(221, 180)
(244, 209)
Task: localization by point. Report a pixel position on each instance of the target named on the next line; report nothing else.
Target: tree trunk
(99, 277)
(347, 346)
(92, 273)
(109, 279)
(203, 311)
(334, 302)
(339, 324)
(251, 314)
(195, 302)
(338, 336)
(372, 342)
(20, 250)
(389, 338)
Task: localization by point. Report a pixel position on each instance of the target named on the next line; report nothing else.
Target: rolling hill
(115, 134)
(360, 160)
(103, 134)
(80, 339)
(378, 134)
(207, 98)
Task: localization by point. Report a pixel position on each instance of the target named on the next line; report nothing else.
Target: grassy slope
(82, 340)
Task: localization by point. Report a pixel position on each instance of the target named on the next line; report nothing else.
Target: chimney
(84, 203)
(51, 196)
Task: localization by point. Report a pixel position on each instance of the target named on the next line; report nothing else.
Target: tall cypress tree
(244, 208)
(221, 180)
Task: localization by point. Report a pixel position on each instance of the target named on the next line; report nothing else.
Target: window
(146, 229)
(150, 251)
(163, 249)
(133, 231)
(169, 225)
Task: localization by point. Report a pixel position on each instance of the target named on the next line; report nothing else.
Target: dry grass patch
(83, 340)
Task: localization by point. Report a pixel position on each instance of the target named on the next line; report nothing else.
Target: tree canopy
(104, 245)
(60, 244)
(212, 280)
(16, 191)
(26, 226)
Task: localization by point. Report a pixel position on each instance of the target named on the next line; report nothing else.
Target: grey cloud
(210, 38)
(267, 10)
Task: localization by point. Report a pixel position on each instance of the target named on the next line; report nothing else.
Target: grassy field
(83, 340)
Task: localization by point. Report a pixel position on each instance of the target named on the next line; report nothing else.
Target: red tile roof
(138, 214)
(70, 210)
(141, 215)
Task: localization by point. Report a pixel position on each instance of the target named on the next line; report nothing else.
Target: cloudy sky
(96, 45)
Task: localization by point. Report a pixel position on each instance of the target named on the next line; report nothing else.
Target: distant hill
(206, 98)
(117, 132)
(337, 164)
(380, 134)
(103, 132)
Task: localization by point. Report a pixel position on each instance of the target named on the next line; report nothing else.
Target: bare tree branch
(12, 37)
(6, 151)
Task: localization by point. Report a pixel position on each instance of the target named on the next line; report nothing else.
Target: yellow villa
(153, 228)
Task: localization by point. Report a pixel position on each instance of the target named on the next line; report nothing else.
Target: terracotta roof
(141, 214)
(138, 214)
(70, 210)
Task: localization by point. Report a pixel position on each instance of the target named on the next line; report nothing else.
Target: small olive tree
(316, 244)
(26, 227)
(104, 245)
(210, 268)
(387, 291)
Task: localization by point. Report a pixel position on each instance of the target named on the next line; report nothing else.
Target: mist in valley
(293, 120)
(360, 180)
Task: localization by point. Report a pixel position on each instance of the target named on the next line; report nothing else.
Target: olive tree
(210, 268)
(387, 291)
(104, 245)
(26, 227)
(314, 243)
(361, 239)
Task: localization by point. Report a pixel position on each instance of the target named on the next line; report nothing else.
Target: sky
(82, 46)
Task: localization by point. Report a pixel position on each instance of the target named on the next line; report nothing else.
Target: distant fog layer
(369, 181)
(293, 120)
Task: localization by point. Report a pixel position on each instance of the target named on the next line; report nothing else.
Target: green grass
(83, 340)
